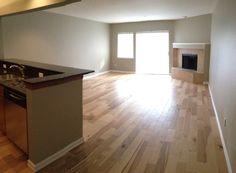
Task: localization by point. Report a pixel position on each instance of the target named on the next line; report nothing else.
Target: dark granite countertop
(15, 87)
(18, 84)
(63, 72)
(13, 82)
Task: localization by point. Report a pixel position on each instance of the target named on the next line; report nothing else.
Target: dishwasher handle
(15, 97)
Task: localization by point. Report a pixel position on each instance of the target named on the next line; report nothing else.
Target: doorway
(152, 53)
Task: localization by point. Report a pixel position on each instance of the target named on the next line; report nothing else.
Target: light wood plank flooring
(12, 159)
(145, 124)
(141, 124)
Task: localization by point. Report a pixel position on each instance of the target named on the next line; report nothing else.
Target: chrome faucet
(21, 69)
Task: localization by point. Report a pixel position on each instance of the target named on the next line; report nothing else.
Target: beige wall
(193, 30)
(129, 64)
(222, 71)
(190, 30)
(54, 118)
(63, 40)
(57, 39)
(1, 43)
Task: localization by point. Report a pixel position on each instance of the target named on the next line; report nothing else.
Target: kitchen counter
(54, 107)
(13, 82)
(61, 71)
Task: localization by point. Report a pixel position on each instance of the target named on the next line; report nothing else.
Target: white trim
(120, 71)
(221, 133)
(190, 45)
(95, 75)
(55, 156)
(31, 165)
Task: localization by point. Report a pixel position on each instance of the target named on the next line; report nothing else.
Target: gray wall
(52, 127)
(190, 30)
(193, 30)
(63, 40)
(129, 64)
(1, 41)
(57, 39)
(222, 71)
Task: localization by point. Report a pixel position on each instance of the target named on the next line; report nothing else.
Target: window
(125, 45)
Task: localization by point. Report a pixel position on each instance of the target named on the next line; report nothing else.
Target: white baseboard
(120, 71)
(221, 133)
(55, 156)
(95, 75)
(114, 71)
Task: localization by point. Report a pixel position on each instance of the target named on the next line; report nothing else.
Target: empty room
(106, 86)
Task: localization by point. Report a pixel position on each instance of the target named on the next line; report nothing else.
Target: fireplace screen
(189, 61)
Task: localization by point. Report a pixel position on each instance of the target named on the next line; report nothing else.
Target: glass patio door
(152, 53)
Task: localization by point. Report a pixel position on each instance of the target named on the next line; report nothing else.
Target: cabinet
(2, 111)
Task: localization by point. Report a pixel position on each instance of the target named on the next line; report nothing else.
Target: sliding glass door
(152, 53)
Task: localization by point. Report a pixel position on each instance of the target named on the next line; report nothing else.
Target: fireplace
(189, 61)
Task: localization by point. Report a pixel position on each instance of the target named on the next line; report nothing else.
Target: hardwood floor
(12, 159)
(143, 124)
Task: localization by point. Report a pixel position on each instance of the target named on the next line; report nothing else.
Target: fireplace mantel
(190, 45)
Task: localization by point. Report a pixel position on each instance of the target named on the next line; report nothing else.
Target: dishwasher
(16, 118)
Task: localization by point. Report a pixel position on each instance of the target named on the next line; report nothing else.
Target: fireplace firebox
(189, 61)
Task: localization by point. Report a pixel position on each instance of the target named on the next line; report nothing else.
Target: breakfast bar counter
(54, 108)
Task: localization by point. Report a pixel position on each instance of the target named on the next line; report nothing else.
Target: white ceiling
(118, 11)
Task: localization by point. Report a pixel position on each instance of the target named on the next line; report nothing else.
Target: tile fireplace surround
(199, 76)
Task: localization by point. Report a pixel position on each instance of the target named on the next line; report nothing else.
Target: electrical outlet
(41, 74)
(4, 66)
(225, 122)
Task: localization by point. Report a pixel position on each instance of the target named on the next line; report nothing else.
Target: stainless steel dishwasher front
(16, 118)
